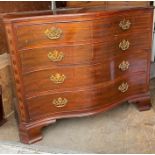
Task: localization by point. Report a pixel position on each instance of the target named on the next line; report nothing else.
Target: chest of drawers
(78, 63)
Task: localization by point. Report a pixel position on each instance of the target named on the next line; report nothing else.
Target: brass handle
(125, 24)
(124, 65)
(57, 78)
(124, 45)
(53, 33)
(123, 87)
(60, 102)
(55, 56)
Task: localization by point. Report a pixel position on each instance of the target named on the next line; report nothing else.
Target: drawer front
(54, 33)
(40, 34)
(132, 22)
(123, 23)
(65, 78)
(70, 77)
(56, 56)
(77, 101)
(82, 54)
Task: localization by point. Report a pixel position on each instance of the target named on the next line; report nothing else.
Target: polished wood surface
(82, 75)
(85, 99)
(87, 54)
(31, 36)
(77, 63)
(106, 4)
(17, 6)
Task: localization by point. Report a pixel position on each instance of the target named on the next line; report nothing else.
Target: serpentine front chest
(77, 63)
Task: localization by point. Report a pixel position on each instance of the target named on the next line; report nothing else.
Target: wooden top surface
(90, 12)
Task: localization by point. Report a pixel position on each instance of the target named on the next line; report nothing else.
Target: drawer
(70, 77)
(53, 33)
(63, 103)
(56, 56)
(40, 34)
(128, 23)
(81, 54)
(65, 78)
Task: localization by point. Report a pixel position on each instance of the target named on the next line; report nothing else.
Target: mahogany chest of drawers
(78, 63)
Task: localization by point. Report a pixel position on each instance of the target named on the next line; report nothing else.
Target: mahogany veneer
(106, 4)
(77, 63)
(18, 6)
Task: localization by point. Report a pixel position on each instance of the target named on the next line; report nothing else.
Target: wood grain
(106, 4)
(7, 7)
(82, 75)
(30, 36)
(90, 43)
(81, 54)
(85, 99)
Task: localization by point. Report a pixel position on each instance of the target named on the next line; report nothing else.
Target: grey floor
(121, 130)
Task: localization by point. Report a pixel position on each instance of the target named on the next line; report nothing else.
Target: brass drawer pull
(123, 87)
(57, 78)
(125, 24)
(55, 56)
(124, 65)
(60, 102)
(53, 33)
(124, 45)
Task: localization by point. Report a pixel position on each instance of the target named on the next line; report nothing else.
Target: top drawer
(43, 34)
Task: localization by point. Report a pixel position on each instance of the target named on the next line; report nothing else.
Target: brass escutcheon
(125, 24)
(55, 56)
(124, 65)
(124, 45)
(60, 102)
(57, 78)
(123, 87)
(53, 33)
